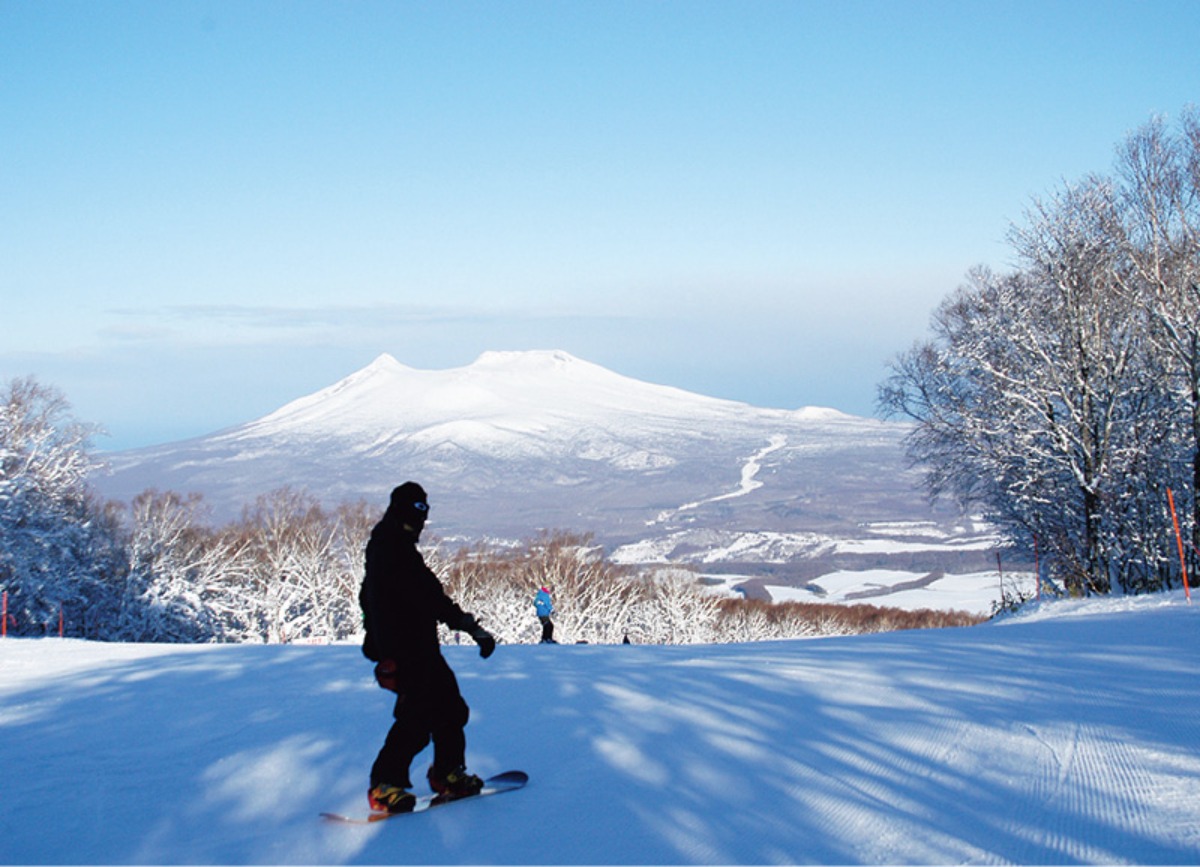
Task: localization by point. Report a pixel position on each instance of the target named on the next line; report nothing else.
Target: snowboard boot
(385, 798)
(456, 784)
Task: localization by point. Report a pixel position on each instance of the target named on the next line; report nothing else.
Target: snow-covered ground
(1064, 735)
(973, 592)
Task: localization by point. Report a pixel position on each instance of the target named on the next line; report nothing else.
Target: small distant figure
(545, 607)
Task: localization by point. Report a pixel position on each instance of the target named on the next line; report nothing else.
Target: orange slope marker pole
(1179, 539)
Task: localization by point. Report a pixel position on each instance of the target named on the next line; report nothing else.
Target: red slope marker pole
(1179, 539)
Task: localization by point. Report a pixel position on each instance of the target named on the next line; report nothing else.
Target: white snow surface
(976, 593)
(1063, 735)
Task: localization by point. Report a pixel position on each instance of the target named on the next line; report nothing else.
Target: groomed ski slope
(1066, 735)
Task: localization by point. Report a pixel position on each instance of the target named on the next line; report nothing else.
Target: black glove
(487, 644)
(485, 640)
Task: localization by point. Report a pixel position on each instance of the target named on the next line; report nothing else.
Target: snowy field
(973, 592)
(1065, 735)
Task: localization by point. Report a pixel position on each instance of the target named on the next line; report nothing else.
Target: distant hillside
(522, 441)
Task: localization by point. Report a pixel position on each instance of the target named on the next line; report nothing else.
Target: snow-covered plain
(976, 593)
(1063, 735)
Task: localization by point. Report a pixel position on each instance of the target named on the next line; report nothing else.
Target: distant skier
(403, 601)
(545, 607)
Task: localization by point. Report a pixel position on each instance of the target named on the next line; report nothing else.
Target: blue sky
(210, 208)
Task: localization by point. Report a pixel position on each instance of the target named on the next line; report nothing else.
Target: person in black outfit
(403, 601)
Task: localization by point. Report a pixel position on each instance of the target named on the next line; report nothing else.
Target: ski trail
(1092, 788)
(748, 483)
(1077, 792)
(852, 803)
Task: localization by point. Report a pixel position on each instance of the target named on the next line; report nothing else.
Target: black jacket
(402, 599)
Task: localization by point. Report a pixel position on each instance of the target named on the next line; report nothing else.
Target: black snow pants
(429, 708)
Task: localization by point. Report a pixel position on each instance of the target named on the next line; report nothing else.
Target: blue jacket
(543, 604)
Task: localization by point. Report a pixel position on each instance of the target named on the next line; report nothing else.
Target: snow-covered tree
(301, 582)
(672, 609)
(1057, 396)
(595, 600)
(58, 548)
(1160, 184)
(175, 567)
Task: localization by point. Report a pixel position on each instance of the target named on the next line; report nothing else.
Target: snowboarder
(402, 602)
(545, 607)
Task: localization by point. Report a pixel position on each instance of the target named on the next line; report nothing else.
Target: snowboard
(506, 782)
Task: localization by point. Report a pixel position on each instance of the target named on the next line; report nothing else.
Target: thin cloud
(435, 334)
(156, 321)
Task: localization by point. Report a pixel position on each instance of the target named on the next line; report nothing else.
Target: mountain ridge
(499, 386)
(520, 442)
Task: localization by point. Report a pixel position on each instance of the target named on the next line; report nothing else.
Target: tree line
(1063, 396)
(156, 570)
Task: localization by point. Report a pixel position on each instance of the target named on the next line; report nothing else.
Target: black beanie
(410, 503)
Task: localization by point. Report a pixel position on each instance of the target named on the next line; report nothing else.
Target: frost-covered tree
(1082, 395)
(1159, 172)
(300, 582)
(1057, 396)
(671, 609)
(58, 547)
(288, 570)
(592, 596)
(595, 600)
(176, 566)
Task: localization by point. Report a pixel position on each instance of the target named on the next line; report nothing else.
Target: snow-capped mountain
(522, 441)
